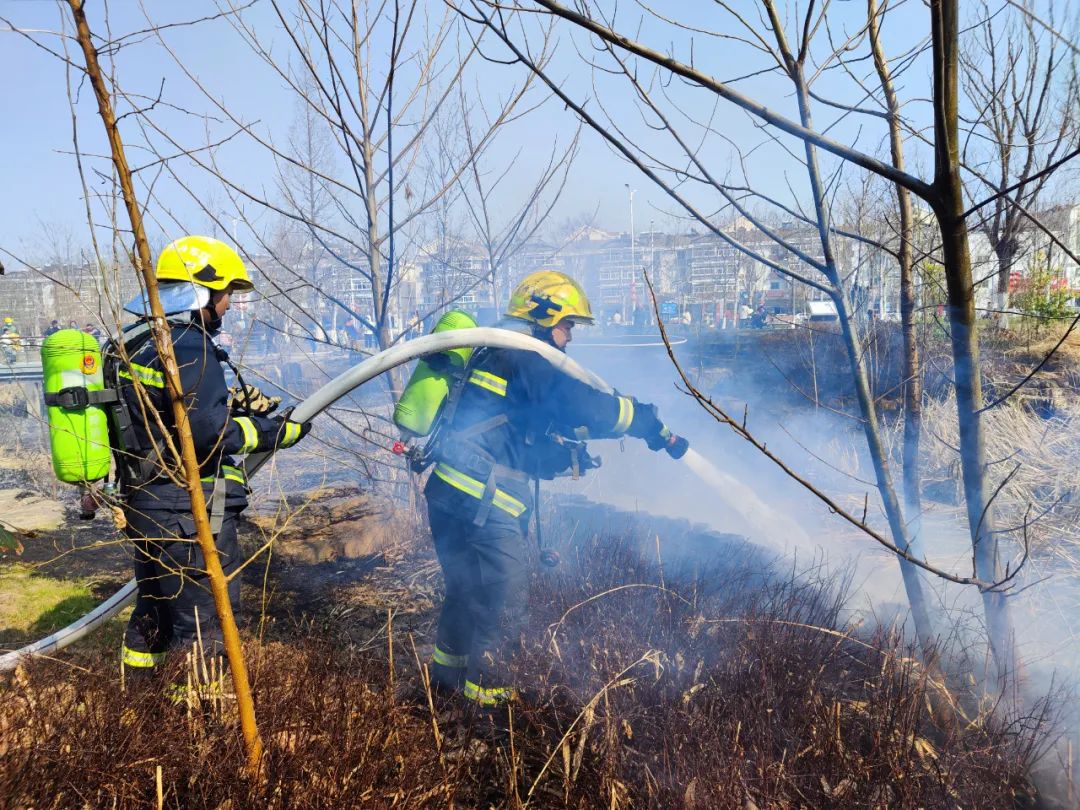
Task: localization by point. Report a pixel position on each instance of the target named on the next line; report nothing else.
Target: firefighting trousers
(486, 578)
(174, 606)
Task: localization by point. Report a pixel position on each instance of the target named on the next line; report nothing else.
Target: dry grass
(1039, 457)
(710, 686)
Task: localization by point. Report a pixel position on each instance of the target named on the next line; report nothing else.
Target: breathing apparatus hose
(324, 398)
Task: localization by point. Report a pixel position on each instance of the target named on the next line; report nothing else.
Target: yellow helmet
(205, 261)
(547, 297)
(9, 321)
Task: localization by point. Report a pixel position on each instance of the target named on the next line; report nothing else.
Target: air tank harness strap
(217, 506)
(461, 449)
(78, 397)
(219, 492)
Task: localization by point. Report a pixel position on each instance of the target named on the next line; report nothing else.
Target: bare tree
(1022, 86)
(376, 79)
(912, 372)
(819, 268)
(501, 225)
(944, 194)
(185, 453)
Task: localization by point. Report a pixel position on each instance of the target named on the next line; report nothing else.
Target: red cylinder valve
(398, 448)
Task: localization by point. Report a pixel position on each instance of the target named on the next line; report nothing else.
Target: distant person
(54, 327)
(760, 318)
(72, 324)
(93, 331)
(641, 318)
(352, 333)
(10, 341)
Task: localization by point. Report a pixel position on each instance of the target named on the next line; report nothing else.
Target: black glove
(664, 439)
(656, 435)
(290, 432)
(677, 446)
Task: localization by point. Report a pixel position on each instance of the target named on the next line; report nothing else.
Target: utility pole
(633, 263)
(652, 258)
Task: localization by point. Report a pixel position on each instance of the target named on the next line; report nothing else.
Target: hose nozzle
(677, 446)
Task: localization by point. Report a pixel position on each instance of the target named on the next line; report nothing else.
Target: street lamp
(234, 221)
(633, 263)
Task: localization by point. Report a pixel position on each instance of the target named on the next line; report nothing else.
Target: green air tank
(78, 431)
(420, 403)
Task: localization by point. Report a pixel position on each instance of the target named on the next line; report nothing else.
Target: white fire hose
(307, 410)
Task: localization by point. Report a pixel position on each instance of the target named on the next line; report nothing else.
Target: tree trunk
(913, 584)
(949, 208)
(913, 389)
(163, 343)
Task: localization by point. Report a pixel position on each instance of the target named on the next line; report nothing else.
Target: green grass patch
(32, 605)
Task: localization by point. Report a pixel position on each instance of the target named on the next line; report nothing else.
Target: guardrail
(20, 372)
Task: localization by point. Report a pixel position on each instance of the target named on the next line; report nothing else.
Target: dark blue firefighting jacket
(511, 423)
(218, 433)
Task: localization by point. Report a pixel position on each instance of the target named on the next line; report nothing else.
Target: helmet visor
(180, 296)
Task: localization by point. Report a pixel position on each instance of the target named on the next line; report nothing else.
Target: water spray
(759, 518)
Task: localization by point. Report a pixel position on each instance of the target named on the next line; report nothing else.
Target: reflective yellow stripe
(229, 473)
(292, 434)
(490, 382)
(233, 474)
(665, 432)
(488, 696)
(626, 415)
(134, 658)
(470, 486)
(179, 693)
(449, 659)
(251, 433)
(145, 374)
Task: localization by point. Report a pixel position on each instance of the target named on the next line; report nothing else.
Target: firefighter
(197, 276)
(513, 420)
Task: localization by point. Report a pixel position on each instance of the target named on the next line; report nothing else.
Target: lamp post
(234, 221)
(633, 263)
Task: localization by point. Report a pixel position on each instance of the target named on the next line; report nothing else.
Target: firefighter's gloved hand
(677, 446)
(290, 432)
(249, 399)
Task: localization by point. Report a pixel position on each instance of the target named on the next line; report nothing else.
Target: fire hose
(305, 411)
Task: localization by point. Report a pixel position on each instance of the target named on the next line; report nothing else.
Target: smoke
(727, 485)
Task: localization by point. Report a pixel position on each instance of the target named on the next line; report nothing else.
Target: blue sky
(43, 195)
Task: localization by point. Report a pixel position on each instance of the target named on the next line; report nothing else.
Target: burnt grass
(698, 678)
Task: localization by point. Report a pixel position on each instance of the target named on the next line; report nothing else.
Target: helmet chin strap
(544, 333)
(211, 321)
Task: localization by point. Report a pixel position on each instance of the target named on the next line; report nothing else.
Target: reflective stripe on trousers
(449, 659)
(136, 658)
(475, 488)
(488, 696)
